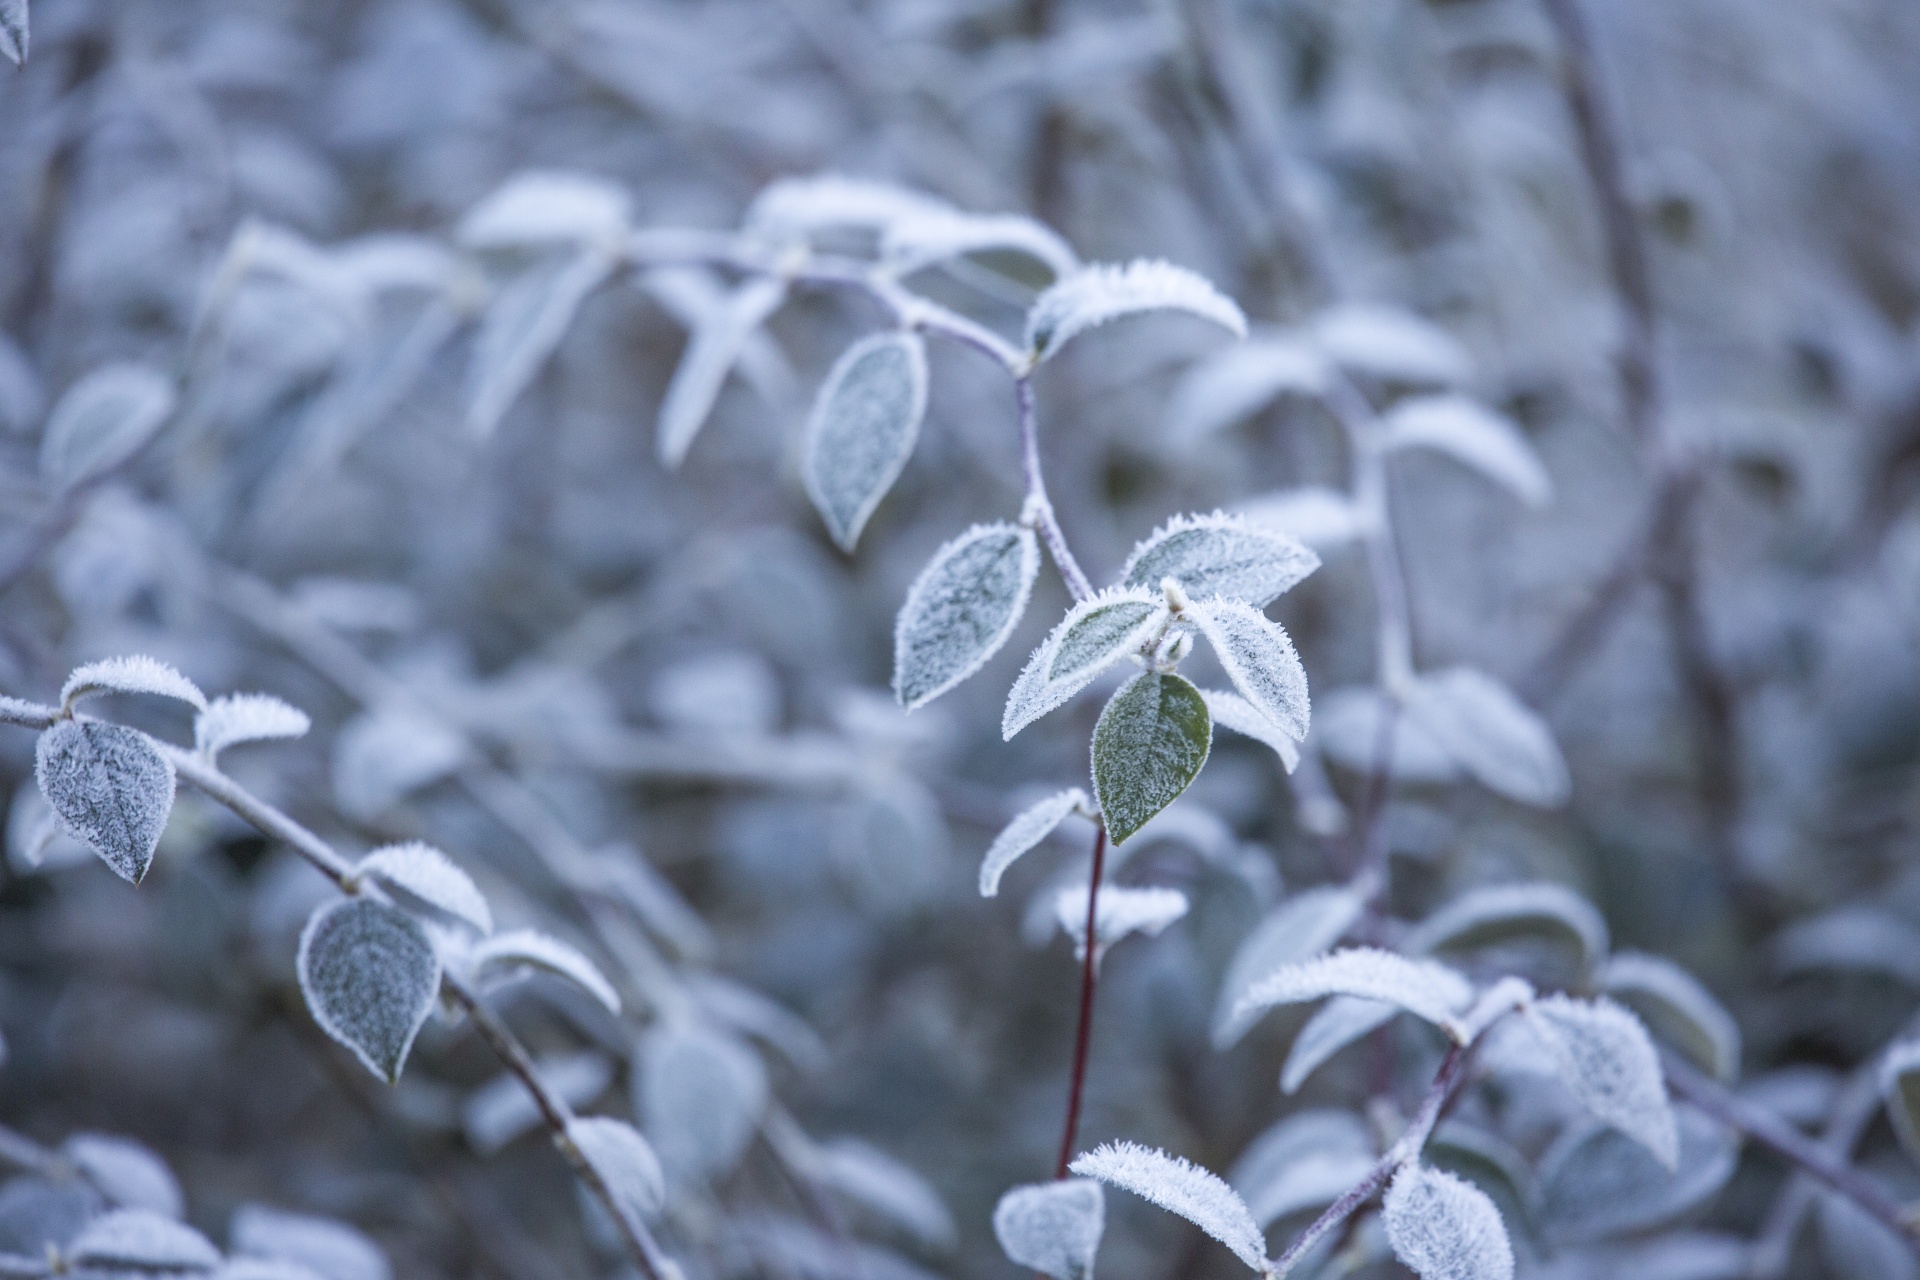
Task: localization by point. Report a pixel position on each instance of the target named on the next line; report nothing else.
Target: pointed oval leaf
(1306, 1161)
(1392, 345)
(864, 425)
(126, 1173)
(1094, 295)
(111, 788)
(15, 31)
(1304, 925)
(1121, 910)
(1500, 913)
(370, 976)
(137, 674)
(1595, 1181)
(102, 421)
(513, 954)
(1231, 711)
(1494, 736)
(961, 610)
(1421, 987)
(422, 879)
(1318, 517)
(1053, 1227)
(246, 717)
(1220, 555)
(1677, 1009)
(1900, 1087)
(717, 343)
(1239, 381)
(1852, 939)
(822, 202)
(1333, 1026)
(1027, 831)
(622, 1159)
(700, 1095)
(1855, 1243)
(501, 1109)
(872, 1179)
(1445, 1228)
(1149, 744)
(1094, 635)
(1608, 1063)
(523, 328)
(544, 207)
(381, 756)
(1471, 433)
(1183, 1188)
(912, 244)
(1346, 728)
(142, 1240)
(324, 1247)
(1259, 658)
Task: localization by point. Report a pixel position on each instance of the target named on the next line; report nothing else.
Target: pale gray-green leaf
(246, 717)
(102, 421)
(1900, 1087)
(545, 207)
(1594, 1181)
(1183, 1188)
(126, 1173)
(1053, 1227)
(1421, 987)
(1304, 925)
(1240, 380)
(1095, 634)
(1606, 1060)
(15, 30)
(424, 880)
(1097, 294)
(1033, 825)
(136, 674)
(622, 1159)
(961, 609)
(1676, 1008)
(1259, 658)
(700, 1095)
(501, 1109)
(1306, 1161)
(324, 1247)
(1220, 555)
(370, 975)
(1492, 734)
(523, 327)
(717, 342)
(1149, 744)
(140, 1240)
(1471, 433)
(518, 952)
(1445, 1228)
(1501, 913)
(864, 425)
(110, 787)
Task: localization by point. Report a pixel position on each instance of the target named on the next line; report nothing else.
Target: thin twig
(1083, 1029)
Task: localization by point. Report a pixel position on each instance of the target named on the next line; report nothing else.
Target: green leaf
(961, 609)
(1149, 745)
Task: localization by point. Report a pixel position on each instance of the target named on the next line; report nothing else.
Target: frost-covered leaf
(264, 1269)
(102, 421)
(1027, 830)
(623, 1159)
(1445, 1228)
(874, 1180)
(142, 1240)
(1501, 913)
(381, 757)
(864, 425)
(1391, 345)
(15, 31)
(501, 1109)
(1220, 555)
(1231, 711)
(1148, 745)
(1334, 1026)
(692, 294)
(1094, 295)
(1492, 734)
(699, 1095)
(517, 952)
(1239, 381)
(110, 787)
(1900, 1087)
(1421, 987)
(1318, 517)
(1855, 939)
(1605, 1059)
(1259, 658)
(1053, 1227)
(424, 880)
(1471, 433)
(523, 327)
(325, 1247)
(1306, 1161)
(1179, 1187)
(1490, 1163)
(1855, 1243)
(961, 609)
(138, 674)
(1594, 1181)
(246, 717)
(767, 1020)
(1304, 925)
(1346, 728)
(1095, 634)
(1120, 911)
(36, 1214)
(717, 342)
(542, 207)
(823, 202)
(913, 243)
(370, 975)
(126, 1173)
(1677, 1009)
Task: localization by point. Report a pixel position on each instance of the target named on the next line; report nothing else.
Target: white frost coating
(862, 430)
(142, 1240)
(870, 1177)
(1333, 1027)
(1122, 910)
(1471, 433)
(137, 674)
(715, 346)
(419, 876)
(370, 977)
(1095, 634)
(1220, 555)
(380, 757)
(542, 206)
(1445, 1228)
(1607, 1062)
(15, 31)
(246, 717)
(126, 1173)
(1319, 517)
(1182, 1188)
(1234, 712)
(1026, 831)
(700, 1095)
(1900, 1088)
(623, 1159)
(1392, 345)
(1053, 1227)
(1483, 916)
(324, 1246)
(110, 787)
(1677, 1008)
(501, 1109)
(1421, 987)
(509, 955)
(1304, 925)
(1259, 658)
(1492, 734)
(796, 206)
(1094, 295)
(1239, 381)
(913, 243)
(523, 327)
(1346, 729)
(962, 609)
(1305, 1161)
(102, 421)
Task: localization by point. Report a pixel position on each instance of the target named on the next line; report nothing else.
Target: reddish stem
(1083, 1035)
